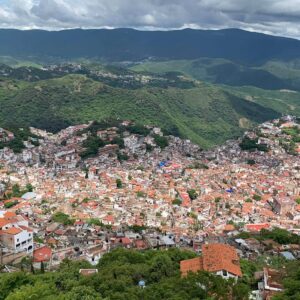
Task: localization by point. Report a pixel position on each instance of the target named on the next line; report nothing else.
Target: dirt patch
(244, 123)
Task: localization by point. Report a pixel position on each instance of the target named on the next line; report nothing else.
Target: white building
(14, 233)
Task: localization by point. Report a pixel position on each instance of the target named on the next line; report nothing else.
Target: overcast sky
(279, 17)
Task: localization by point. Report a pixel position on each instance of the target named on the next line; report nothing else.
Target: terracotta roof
(257, 227)
(9, 214)
(109, 218)
(42, 254)
(229, 227)
(140, 244)
(191, 265)
(4, 222)
(12, 231)
(217, 257)
(126, 241)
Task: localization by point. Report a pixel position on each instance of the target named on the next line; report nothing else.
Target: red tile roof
(43, 254)
(191, 265)
(257, 227)
(126, 241)
(215, 257)
(12, 231)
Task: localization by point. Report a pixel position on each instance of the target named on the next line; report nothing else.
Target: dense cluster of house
(178, 196)
(6, 135)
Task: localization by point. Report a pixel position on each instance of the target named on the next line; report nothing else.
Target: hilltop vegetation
(119, 273)
(206, 114)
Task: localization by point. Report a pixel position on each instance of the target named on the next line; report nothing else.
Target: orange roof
(42, 254)
(247, 207)
(3, 222)
(229, 227)
(12, 230)
(9, 214)
(109, 218)
(126, 241)
(217, 257)
(257, 227)
(191, 265)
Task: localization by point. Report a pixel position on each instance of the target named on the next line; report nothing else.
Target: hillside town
(139, 188)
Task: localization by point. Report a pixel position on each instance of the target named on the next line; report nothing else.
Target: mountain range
(133, 45)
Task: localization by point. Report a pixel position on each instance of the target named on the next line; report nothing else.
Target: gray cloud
(270, 16)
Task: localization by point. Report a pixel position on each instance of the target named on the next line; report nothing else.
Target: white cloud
(273, 16)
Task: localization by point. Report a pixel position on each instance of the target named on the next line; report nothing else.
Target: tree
(119, 272)
(16, 191)
(192, 194)
(119, 183)
(118, 141)
(122, 156)
(29, 187)
(32, 268)
(11, 281)
(161, 141)
(91, 145)
(82, 293)
(62, 218)
(256, 197)
(241, 291)
(176, 201)
(280, 235)
(251, 162)
(218, 199)
(161, 266)
(42, 267)
(26, 262)
(10, 204)
(37, 291)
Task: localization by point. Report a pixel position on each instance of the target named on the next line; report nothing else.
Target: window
(225, 274)
(18, 240)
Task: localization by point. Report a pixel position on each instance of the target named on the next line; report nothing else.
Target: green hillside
(273, 75)
(119, 274)
(206, 114)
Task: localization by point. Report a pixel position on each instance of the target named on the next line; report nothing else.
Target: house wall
(267, 287)
(229, 275)
(22, 241)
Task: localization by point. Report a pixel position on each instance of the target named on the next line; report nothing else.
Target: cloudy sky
(279, 17)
